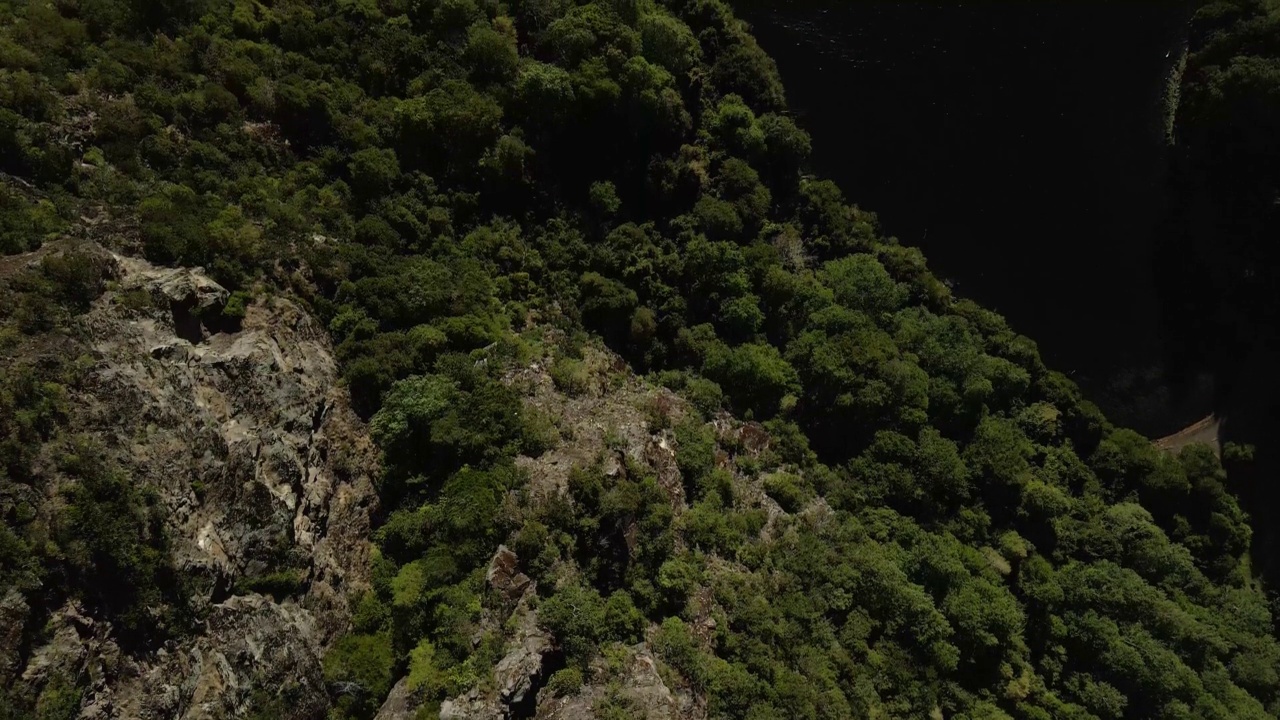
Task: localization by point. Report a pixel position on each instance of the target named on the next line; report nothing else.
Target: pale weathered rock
(251, 644)
(64, 653)
(518, 674)
(184, 285)
(471, 709)
(243, 430)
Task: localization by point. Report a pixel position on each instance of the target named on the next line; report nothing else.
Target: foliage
(444, 184)
(73, 526)
(59, 700)
(114, 543)
(1219, 268)
(570, 376)
(565, 681)
(279, 584)
(365, 661)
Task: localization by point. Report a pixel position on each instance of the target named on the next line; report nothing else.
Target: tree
(861, 283)
(448, 128)
(373, 171)
(758, 374)
(491, 51)
(576, 616)
(746, 70)
(366, 662)
(669, 43)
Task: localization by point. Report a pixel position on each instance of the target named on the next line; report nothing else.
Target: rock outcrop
(637, 686)
(521, 671)
(611, 421)
(238, 424)
(250, 645)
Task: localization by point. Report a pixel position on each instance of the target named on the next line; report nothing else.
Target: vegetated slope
(1221, 266)
(923, 520)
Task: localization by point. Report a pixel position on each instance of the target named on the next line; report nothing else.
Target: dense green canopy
(440, 181)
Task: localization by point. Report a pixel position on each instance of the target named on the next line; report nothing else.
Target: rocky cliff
(623, 425)
(234, 421)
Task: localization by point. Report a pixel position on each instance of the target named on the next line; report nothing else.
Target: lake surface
(1021, 146)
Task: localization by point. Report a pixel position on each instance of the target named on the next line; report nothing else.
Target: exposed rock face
(402, 703)
(243, 430)
(251, 644)
(610, 422)
(638, 686)
(504, 576)
(610, 415)
(246, 434)
(516, 676)
(521, 671)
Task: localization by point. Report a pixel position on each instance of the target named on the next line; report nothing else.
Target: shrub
(364, 663)
(576, 616)
(676, 645)
(59, 700)
(279, 584)
(565, 681)
(704, 395)
(622, 621)
(788, 490)
(570, 376)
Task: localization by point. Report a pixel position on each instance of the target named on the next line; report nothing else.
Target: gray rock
(250, 644)
(515, 674)
(402, 703)
(248, 440)
(185, 285)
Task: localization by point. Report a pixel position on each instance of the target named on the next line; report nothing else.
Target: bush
(279, 584)
(76, 279)
(622, 621)
(695, 453)
(704, 395)
(24, 225)
(236, 305)
(676, 645)
(576, 616)
(363, 664)
(788, 490)
(59, 700)
(564, 682)
(570, 376)
(114, 539)
(538, 433)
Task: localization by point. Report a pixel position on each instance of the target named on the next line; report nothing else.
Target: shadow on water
(1022, 147)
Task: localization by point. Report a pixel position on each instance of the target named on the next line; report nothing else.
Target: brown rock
(504, 577)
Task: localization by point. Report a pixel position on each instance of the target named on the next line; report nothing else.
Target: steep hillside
(661, 425)
(1219, 263)
(188, 492)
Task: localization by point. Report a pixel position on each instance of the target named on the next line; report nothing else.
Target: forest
(1218, 263)
(442, 182)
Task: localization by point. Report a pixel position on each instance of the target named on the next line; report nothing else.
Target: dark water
(1021, 145)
